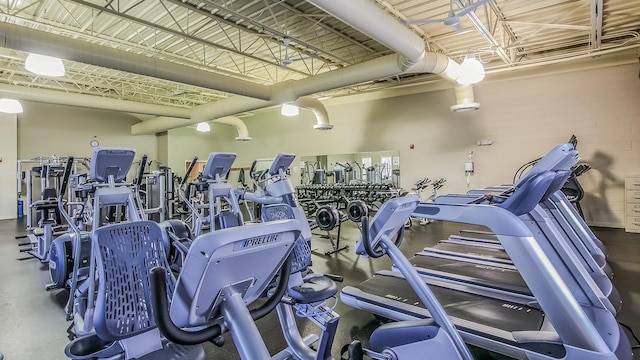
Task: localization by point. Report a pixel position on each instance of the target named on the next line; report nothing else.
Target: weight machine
(44, 175)
(154, 192)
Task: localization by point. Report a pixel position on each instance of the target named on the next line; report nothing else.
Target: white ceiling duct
(241, 127)
(362, 14)
(318, 109)
(291, 90)
(370, 19)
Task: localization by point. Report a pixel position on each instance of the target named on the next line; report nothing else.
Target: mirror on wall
(376, 167)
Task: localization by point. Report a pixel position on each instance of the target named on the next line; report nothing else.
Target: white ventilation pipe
(95, 102)
(376, 23)
(289, 91)
(241, 127)
(465, 100)
(318, 109)
(412, 58)
(370, 19)
(28, 40)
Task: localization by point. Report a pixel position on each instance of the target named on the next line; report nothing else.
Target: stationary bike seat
(316, 287)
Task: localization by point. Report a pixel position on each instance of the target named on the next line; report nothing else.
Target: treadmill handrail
(500, 221)
(387, 221)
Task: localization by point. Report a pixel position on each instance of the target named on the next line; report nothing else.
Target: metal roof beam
(180, 34)
(248, 20)
(596, 23)
(484, 32)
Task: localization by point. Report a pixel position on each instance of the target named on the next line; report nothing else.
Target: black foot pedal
(336, 278)
(354, 351)
(219, 341)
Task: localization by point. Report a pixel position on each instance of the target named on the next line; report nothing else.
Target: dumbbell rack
(311, 195)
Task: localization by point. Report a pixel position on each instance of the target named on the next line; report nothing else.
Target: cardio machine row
(214, 284)
(219, 316)
(539, 287)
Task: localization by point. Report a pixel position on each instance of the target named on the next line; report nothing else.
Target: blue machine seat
(316, 287)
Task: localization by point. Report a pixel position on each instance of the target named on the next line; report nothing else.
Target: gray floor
(33, 326)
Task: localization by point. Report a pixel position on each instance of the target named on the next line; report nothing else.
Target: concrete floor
(33, 326)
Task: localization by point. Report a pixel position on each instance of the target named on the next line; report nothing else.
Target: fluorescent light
(203, 127)
(44, 65)
(289, 110)
(10, 106)
(471, 71)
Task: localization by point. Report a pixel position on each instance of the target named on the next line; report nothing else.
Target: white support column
(8, 159)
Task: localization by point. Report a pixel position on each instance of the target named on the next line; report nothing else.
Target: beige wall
(524, 118)
(185, 143)
(46, 129)
(163, 147)
(8, 158)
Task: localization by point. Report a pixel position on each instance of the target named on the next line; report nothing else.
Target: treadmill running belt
(493, 277)
(478, 309)
(471, 250)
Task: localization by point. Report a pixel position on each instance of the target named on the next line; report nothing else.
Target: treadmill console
(561, 157)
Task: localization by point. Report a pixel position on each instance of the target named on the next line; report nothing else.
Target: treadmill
(490, 266)
(560, 323)
(482, 272)
(565, 218)
(559, 208)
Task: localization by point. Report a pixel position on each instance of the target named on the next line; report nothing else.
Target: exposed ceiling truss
(271, 41)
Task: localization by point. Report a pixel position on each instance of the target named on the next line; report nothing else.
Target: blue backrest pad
(301, 256)
(125, 253)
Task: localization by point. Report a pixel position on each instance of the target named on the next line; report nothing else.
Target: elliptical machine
(223, 209)
(71, 263)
